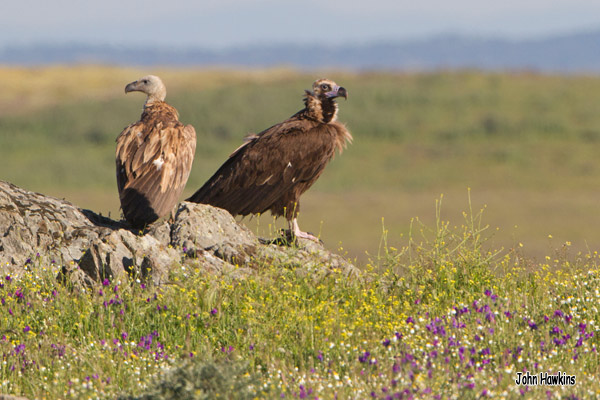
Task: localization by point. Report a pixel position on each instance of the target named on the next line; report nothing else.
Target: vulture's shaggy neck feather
(322, 110)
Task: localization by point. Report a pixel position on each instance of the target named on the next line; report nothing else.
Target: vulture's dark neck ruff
(322, 109)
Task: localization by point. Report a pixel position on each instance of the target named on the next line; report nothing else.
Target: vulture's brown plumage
(273, 168)
(154, 157)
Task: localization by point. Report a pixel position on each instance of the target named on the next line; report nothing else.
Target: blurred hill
(570, 53)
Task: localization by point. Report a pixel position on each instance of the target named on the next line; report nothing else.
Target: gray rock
(31, 223)
(202, 227)
(91, 247)
(306, 257)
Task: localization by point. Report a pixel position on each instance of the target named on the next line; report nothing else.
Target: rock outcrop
(91, 247)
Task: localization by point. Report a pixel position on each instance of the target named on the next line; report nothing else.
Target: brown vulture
(154, 157)
(270, 170)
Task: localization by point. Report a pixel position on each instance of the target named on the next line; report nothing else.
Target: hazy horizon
(231, 23)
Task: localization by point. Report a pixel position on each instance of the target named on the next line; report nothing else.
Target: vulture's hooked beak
(338, 91)
(132, 87)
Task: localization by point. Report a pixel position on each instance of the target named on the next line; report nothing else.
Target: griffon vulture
(273, 168)
(154, 157)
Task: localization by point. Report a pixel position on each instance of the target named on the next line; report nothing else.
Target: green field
(438, 317)
(524, 144)
(473, 193)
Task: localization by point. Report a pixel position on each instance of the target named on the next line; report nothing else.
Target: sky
(229, 23)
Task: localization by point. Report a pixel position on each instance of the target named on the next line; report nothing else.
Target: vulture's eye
(145, 81)
(325, 86)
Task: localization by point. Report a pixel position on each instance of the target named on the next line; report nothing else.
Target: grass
(440, 316)
(524, 144)
(444, 305)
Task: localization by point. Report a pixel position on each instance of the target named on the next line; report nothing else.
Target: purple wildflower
(364, 357)
(532, 325)
(568, 318)
(19, 348)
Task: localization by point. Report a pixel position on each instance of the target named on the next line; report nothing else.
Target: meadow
(467, 198)
(525, 144)
(439, 318)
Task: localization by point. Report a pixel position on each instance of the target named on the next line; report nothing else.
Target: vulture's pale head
(321, 102)
(325, 88)
(151, 85)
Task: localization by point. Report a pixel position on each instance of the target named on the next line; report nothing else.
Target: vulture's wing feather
(153, 165)
(275, 166)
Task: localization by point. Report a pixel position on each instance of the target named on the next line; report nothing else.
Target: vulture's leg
(171, 219)
(299, 234)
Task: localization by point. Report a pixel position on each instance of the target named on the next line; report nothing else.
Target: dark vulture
(273, 168)
(154, 157)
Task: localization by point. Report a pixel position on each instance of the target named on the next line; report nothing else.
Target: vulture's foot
(295, 230)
